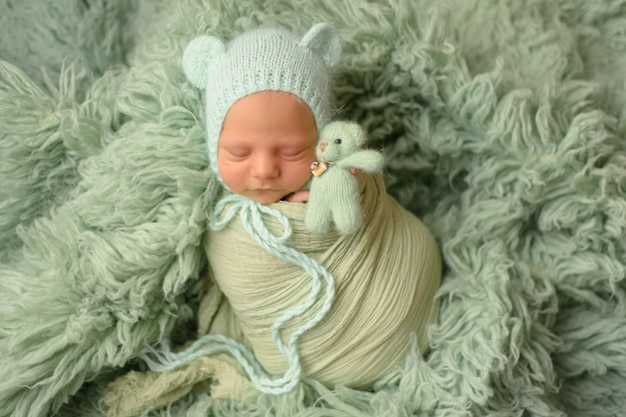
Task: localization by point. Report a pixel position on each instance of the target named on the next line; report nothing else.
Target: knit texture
(503, 125)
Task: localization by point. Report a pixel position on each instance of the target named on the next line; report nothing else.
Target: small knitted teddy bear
(334, 195)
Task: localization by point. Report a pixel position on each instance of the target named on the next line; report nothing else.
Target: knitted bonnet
(261, 60)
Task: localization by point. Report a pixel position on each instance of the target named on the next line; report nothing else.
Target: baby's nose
(264, 166)
(323, 146)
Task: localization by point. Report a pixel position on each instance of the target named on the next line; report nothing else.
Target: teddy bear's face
(338, 140)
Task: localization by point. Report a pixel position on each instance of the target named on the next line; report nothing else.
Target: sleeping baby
(268, 96)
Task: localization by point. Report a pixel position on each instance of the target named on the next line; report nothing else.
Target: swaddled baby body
(385, 273)
(282, 303)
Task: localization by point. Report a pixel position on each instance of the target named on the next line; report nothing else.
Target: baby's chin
(266, 196)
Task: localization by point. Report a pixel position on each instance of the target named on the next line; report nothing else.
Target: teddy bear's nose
(323, 146)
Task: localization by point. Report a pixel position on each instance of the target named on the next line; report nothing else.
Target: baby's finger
(298, 197)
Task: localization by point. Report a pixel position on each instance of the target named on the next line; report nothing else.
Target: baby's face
(267, 146)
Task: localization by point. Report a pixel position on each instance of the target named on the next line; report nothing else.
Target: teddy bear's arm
(365, 160)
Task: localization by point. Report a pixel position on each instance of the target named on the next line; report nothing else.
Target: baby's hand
(298, 197)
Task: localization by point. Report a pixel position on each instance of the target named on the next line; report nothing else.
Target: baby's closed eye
(237, 152)
(293, 153)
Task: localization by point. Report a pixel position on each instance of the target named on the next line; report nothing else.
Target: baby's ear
(324, 40)
(197, 57)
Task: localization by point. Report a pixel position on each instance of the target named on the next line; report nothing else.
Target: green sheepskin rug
(503, 125)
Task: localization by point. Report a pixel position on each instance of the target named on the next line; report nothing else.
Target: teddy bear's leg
(347, 216)
(318, 216)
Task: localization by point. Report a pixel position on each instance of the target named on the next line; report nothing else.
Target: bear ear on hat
(324, 40)
(197, 57)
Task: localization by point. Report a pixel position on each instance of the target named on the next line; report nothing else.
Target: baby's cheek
(232, 174)
(304, 171)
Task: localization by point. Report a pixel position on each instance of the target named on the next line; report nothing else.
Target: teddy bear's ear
(358, 133)
(324, 40)
(197, 57)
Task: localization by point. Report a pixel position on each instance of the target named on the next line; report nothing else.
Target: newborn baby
(268, 99)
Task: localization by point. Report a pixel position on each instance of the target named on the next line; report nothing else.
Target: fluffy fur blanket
(504, 128)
